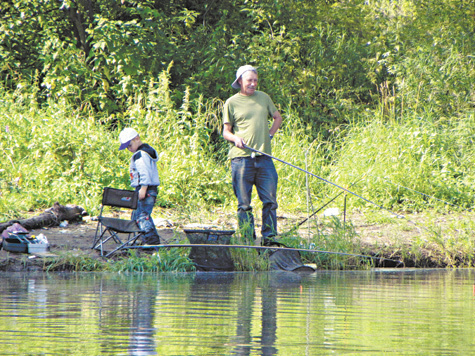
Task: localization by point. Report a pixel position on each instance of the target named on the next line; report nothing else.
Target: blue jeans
(143, 216)
(259, 171)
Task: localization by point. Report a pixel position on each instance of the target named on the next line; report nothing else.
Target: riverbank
(418, 240)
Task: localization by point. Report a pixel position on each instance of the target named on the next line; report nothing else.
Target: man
(245, 120)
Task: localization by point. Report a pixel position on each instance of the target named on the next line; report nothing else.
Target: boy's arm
(143, 192)
(142, 167)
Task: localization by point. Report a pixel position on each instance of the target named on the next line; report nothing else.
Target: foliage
(247, 259)
(173, 260)
(326, 59)
(60, 154)
(54, 155)
(425, 239)
(73, 262)
(415, 164)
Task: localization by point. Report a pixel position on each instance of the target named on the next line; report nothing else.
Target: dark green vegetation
(377, 96)
(163, 261)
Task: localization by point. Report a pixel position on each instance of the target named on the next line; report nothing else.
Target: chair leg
(98, 229)
(97, 241)
(129, 242)
(100, 242)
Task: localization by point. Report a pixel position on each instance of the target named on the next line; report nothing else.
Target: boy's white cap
(240, 72)
(127, 135)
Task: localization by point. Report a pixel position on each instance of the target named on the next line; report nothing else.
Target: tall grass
(173, 260)
(409, 164)
(53, 154)
(60, 154)
(329, 234)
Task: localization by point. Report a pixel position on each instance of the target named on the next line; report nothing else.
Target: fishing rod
(314, 175)
(334, 184)
(311, 215)
(398, 263)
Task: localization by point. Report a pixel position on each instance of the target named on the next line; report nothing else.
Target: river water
(391, 312)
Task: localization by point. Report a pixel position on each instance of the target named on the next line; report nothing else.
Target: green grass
(172, 260)
(73, 262)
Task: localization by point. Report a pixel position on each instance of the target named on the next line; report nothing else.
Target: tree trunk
(51, 217)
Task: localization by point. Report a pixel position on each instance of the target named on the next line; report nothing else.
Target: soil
(74, 239)
(387, 239)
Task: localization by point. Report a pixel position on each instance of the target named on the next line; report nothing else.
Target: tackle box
(17, 242)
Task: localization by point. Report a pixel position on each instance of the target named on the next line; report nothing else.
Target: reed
(73, 262)
(411, 165)
(172, 260)
(247, 259)
(328, 234)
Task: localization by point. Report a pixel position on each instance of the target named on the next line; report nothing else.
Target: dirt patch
(73, 239)
(402, 239)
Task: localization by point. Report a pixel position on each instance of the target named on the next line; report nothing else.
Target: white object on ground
(199, 226)
(331, 212)
(42, 238)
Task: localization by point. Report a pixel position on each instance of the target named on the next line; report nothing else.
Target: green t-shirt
(248, 117)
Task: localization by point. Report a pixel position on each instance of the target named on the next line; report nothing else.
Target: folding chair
(110, 228)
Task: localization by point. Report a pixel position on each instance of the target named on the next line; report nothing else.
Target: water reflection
(217, 292)
(267, 291)
(142, 331)
(283, 313)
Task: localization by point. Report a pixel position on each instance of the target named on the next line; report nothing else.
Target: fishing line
(335, 185)
(426, 195)
(323, 179)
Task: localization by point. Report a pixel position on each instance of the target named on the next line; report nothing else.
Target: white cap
(127, 135)
(240, 72)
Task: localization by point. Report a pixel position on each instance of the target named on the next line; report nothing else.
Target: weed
(170, 260)
(73, 262)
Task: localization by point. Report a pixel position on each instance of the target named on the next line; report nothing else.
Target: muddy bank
(75, 239)
(395, 241)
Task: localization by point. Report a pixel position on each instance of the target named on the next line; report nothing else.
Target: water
(391, 312)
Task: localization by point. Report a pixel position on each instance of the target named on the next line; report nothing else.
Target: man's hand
(239, 142)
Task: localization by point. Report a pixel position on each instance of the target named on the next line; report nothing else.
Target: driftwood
(51, 217)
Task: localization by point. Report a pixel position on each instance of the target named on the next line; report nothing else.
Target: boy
(144, 178)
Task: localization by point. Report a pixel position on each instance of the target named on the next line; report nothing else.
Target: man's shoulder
(263, 95)
(232, 99)
(238, 97)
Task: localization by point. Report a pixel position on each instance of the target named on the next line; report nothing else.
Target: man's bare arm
(228, 135)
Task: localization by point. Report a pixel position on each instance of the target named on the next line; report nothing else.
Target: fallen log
(51, 217)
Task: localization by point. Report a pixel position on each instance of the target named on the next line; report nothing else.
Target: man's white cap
(240, 72)
(127, 135)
